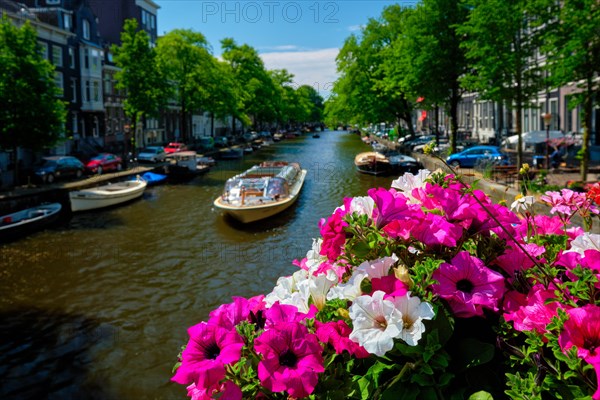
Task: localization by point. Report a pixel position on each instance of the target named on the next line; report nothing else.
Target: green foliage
(139, 74)
(31, 112)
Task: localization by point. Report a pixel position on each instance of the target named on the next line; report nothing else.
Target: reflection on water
(99, 307)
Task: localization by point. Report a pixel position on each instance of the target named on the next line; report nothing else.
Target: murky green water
(98, 308)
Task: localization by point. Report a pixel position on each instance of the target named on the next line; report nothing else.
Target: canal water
(98, 308)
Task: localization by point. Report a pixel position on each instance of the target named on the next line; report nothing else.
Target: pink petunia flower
(468, 285)
(291, 359)
(582, 330)
(334, 236)
(225, 391)
(203, 361)
(229, 315)
(514, 259)
(435, 231)
(337, 333)
(536, 313)
(390, 205)
(283, 313)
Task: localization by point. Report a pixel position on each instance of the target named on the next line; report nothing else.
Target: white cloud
(314, 67)
(355, 28)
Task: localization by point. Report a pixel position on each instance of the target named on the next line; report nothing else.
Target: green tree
(315, 100)
(365, 88)
(428, 57)
(139, 74)
(502, 56)
(254, 86)
(187, 64)
(570, 38)
(31, 112)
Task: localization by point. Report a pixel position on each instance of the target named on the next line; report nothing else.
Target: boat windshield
(277, 188)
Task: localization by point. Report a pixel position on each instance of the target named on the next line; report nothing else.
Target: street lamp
(547, 121)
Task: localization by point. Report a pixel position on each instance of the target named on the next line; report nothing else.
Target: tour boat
(107, 195)
(262, 191)
(20, 223)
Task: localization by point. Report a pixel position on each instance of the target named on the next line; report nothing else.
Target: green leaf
(472, 352)
(481, 395)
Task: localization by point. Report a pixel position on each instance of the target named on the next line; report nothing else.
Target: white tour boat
(262, 191)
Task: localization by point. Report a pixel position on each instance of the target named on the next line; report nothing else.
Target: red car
(104, 162)
(174, 147)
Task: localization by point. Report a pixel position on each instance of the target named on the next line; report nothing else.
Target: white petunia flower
(349, 290)
(413, 313)
(587, 241)
(522, 203)
(407, 182)
(313, 257)
(362, 205)
(376, 323)
(378, 268)
(318, 287)
(285, 287)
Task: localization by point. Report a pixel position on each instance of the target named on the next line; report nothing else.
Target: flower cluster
(410, 292)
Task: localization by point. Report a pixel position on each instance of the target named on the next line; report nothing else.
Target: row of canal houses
(76, 36)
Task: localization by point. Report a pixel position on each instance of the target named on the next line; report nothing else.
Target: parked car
(104, 162)
(407, 146)
(56, 167)
(206, 143)
(174, 147)
(152, 154)
(473, 155)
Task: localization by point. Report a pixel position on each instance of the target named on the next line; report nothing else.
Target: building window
(67, 21)
(95, 60)
(71, 57)
(86, 59)
(74, 124)
(57, 56)
(52, 2)
(86, 29)
(58, 79)
(87, 91)
(107, 86)
(96, 91)
(43, 49)
(73, 90)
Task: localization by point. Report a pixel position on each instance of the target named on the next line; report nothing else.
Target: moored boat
(107, 195)
(29, 220)
(153, 178)
(262, 191)
(372, 163)
(184, 165)
(231, 153)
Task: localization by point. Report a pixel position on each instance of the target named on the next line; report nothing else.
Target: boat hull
(37, 219)
(247, 214)
(107, 195)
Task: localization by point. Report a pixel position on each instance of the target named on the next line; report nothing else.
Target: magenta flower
(582, 330)
(468, 285)
(226, 391)
(203, 361)
(390, 285)
(282, 313)
(337, 334)
(542, 225)
(514, 259)
(536, 312)
(435, 230)
(229, 315)
(291, 359)
(334, 236)
(390, 206)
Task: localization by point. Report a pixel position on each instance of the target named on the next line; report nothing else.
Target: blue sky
(302, 36)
